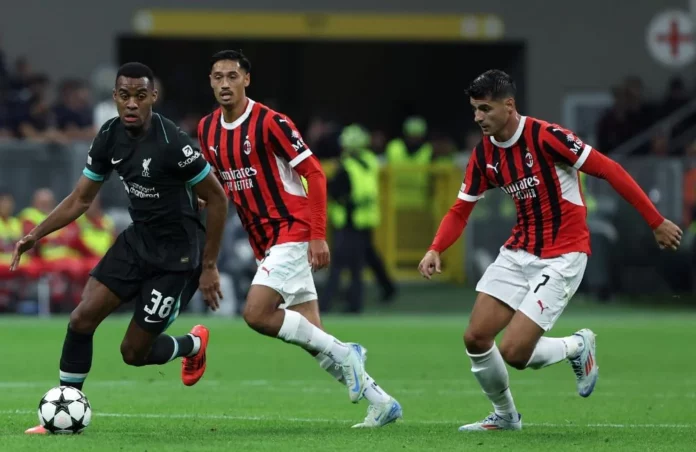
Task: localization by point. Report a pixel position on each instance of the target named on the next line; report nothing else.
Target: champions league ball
(64, 410)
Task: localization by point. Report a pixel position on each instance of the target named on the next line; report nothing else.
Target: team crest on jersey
(247, 146)
(146, 167)
(528, 159)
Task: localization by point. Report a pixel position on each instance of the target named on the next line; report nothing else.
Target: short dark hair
(233, 55)
(136, 70)
(494, 83)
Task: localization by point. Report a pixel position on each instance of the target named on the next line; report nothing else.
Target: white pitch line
(324, 420)
(309, 388)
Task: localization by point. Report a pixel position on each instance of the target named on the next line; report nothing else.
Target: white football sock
(551, 350)
(296, 329)
(331, 367)
(373, 392)
(491, 373)
(196, 344)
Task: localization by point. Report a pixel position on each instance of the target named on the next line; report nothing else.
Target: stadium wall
(572, 46)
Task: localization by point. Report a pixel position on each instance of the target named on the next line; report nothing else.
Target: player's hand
(430, 264)
(318, 254)
(668, 235)
(209, 285)
(24, 245)
(201, 204)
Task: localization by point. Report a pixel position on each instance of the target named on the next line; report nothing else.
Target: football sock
(298, 330)
(76, 359)
(550, 350)
(331, 367)
(373, 393)
(491, 373)
(166, 348)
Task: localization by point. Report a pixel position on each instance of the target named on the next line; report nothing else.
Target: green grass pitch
(261, 394)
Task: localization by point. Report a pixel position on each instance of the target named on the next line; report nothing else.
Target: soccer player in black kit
(164, 256)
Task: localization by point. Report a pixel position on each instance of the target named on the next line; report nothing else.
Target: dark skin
(498, 118)
(229, 82)
(134, 99)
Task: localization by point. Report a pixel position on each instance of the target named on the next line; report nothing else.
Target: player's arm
(453, 224)
(195, 171)
(75, 204)
(287, 143)
(569, 149)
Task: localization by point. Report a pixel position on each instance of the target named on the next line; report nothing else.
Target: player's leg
(285, 271)
(553, 282)
(158, 305)
(383, 409)
(501, 290)
(98, 301)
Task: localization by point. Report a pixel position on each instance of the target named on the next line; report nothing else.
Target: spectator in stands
(5, 126)
(74, 112)
(676, 96)
(659, 144)
(35, 119)
(56, 253)
(19, 81)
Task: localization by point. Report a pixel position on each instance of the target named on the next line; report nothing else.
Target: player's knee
(82, 322)
(477, 341)
(132, 356)
(254, 316)
(515, 356)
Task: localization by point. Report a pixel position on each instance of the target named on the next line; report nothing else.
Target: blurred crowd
(633, 113)
(33, 107)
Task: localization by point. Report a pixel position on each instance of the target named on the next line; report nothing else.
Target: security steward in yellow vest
(353, 212)
(411, 157)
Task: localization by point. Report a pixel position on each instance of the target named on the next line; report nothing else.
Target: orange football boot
(193, 367)
(38, 430)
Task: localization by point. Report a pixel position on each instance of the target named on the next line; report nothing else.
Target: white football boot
(381, 414)
(585, 364)
(353, 369)
(495, 422)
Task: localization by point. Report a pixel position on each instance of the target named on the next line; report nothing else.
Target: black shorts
(159, 295)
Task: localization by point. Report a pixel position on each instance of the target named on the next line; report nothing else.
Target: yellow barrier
(405, 234)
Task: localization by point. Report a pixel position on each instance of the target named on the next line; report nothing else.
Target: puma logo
(268, 272)
(494, 168)
(541, 305)
(213, 149)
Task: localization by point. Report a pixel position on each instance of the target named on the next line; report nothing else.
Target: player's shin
(551, 350)
(167, 348)
(76, 359)
(296, 329)
(491, 373)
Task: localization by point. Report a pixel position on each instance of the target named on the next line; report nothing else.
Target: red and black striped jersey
(256, 159)
(538, 167)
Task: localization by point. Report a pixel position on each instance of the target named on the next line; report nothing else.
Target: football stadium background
(621, 77)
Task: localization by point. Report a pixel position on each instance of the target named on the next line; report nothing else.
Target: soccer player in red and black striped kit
(541, 266)
(258, 155)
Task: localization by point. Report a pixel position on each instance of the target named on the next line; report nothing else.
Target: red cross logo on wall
(674, 37)
(671, 39)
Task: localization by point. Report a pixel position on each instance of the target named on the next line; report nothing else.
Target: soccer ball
(64, 410)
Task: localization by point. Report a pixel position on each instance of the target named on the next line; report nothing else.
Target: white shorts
(540, 288)
(286, 270)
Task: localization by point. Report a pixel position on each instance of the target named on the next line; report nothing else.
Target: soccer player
(541, 266)
(163, 256)
(259, 156)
